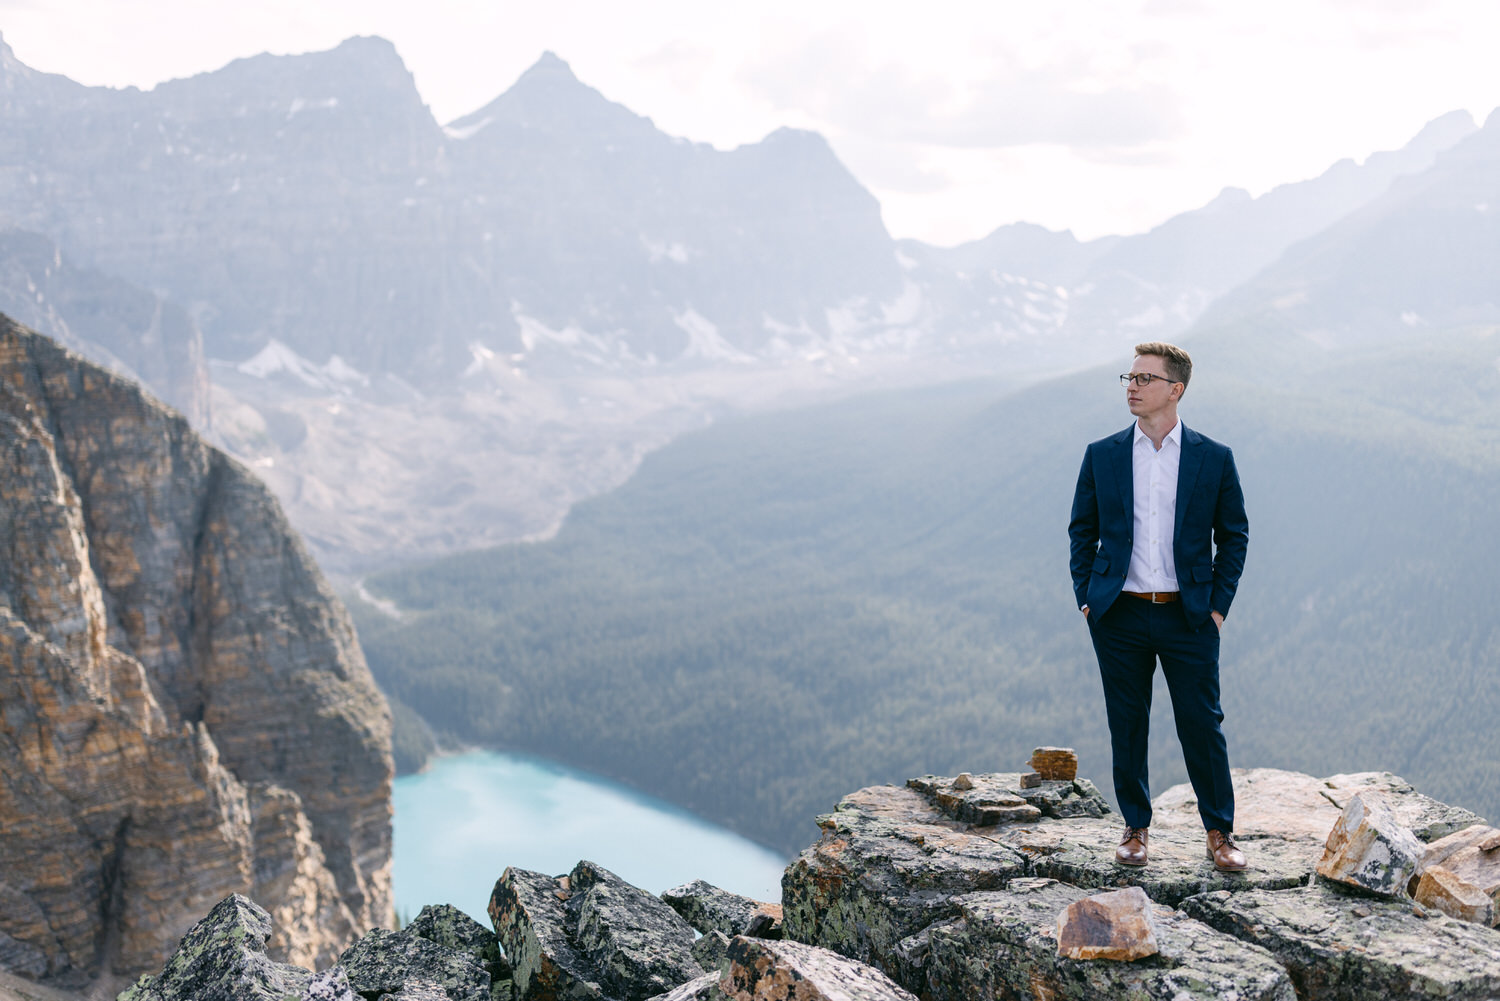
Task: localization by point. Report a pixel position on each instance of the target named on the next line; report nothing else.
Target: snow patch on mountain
(334, 375)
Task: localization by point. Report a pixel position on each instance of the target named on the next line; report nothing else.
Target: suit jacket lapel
(1125, 470)
(1189, 462)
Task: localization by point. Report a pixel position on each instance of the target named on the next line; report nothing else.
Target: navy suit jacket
(1208, 541)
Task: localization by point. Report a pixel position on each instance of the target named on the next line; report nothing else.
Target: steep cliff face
(184, 709)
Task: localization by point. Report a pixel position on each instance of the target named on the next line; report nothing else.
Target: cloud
(1066, 102)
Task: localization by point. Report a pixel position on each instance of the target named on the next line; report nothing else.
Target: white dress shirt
(1152, 566)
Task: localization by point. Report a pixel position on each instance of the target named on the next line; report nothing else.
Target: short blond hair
(1175, 360)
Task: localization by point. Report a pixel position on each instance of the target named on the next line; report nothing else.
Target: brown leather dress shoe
(1225, 853)
(1132, 850)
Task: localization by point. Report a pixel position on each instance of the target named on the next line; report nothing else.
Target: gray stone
(223, 958)
(638, 945)
(384, 962)
(761, 970)
(330, 985)
(531, 924)
(887, 865)
(21, 957)
(453, 929)
(993, 799)
(704, 988)
(1340, 946)
(1369, 848)
(708, 908)
(1003, 944)
(712, 951)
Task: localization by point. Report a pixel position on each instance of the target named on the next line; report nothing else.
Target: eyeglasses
(1142, 379)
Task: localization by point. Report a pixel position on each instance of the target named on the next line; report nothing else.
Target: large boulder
(588, 935)
(386, 962)
(708, 908)
(1369, 848)
(452, 929)
(761, 970)
(223, 958)
(1003, 944)
(1344, 946)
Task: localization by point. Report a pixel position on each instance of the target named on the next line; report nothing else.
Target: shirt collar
(1174, 435)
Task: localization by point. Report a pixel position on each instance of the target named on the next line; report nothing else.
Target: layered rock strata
(184, 709)
(915, 882)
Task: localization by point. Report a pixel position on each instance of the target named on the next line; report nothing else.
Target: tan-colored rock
(1118, 924)
(769, 970)
(1368, 848)
(187, 713)
(1440, 889)
(1030, 780)
(1055, 763)
(1464, 854)
(963, 781)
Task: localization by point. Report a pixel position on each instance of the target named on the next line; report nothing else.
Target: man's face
(1158, 396)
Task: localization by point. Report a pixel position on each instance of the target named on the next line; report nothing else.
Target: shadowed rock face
(184, 709)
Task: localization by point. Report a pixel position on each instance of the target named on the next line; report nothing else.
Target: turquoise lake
(465, 818)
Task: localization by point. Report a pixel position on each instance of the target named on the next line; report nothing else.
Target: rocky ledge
(961, 889)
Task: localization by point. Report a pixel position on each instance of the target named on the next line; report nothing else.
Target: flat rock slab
(762, 970)
(1369, 848)
(1082, 852)
(1346, 947)
(385, 962)
(708, 908)
(1004, 945)
(1272, 803)
(223, 958)
(888, 864)
(1007, 797)
(1115, 924)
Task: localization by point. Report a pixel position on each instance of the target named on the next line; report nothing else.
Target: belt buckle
(1159, 598)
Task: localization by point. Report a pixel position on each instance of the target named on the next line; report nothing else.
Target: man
(1158, 539)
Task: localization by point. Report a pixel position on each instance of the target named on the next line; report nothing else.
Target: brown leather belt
(1155, 597)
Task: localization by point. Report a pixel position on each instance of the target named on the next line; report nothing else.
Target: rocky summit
(903, 898)
(184, 709)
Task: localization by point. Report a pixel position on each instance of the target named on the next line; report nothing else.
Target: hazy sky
(1100, 116)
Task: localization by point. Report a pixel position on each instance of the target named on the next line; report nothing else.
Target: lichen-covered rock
(992, 799)
(384, 962)
(1369, 848)
(453, 929)
(1347, 947)
(1116, 924)
(708, 908)
(888, 864)
(223, 958)
(1003, 944)
(187, 713)
(712, 951)
(762, 970)
(638, 946)
(1082, 852)
(531, 924)
(704, 988)
(1440, 889)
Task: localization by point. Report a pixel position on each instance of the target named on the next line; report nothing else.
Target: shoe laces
(1227, 841)
(1134, 834)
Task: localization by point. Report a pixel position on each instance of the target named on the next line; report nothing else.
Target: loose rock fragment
(1057, 763)
(761, 970)
(712, 951)
(386, 962)
(1368, 848)
(963, 780)
(1030, 780)
(1113, 925)
(1464, 854)
(1438, 888)
(453, 929)
(532, 926)
(704, 988)
(636, 944)
(708, 908)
